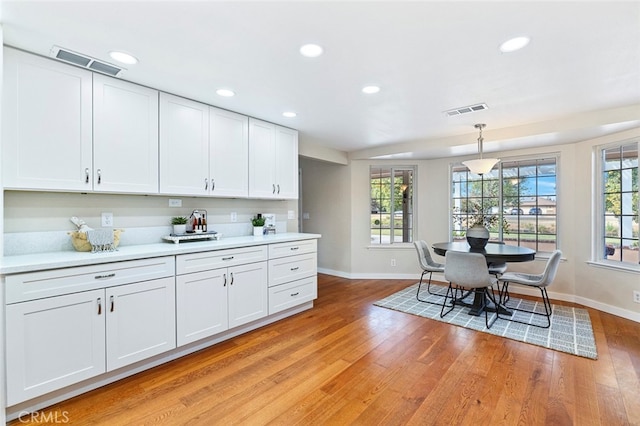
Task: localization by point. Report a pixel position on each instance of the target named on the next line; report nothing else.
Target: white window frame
(413, 213)
(597, 255)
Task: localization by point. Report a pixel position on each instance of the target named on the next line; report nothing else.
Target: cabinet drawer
(292, 268)
(198, 262)
(292, 248)
(55, 282)
(288, 295)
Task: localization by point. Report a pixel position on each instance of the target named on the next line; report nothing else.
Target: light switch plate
(291, 214)
(234, 217)
(175, 202)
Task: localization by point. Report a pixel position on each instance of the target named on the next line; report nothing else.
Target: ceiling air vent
(466, 109)
(85, 61)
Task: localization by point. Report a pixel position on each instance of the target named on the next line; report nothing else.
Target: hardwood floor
(349, 362)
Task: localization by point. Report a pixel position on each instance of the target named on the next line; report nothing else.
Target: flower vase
(477, 236)
(258, 231)
(179, 229)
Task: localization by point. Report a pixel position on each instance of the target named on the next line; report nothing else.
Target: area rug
(570, 330)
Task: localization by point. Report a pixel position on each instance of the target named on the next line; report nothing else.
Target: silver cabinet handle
(273, 191)
(278, 188)
(294, 248)
(86, 175)
(213, 184)
(295, 268)
(295, 294)
(112, 304)
(231, 283)
(100, 277)
(99, 171)
(206, 184)
(99, 306)
(225, 280)
(228, 258)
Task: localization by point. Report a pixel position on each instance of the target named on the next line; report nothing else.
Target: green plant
(258, 221)
(179, 220)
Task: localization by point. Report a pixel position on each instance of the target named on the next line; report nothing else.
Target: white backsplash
(17, 243)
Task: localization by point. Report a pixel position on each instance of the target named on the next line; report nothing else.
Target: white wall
(578, 280)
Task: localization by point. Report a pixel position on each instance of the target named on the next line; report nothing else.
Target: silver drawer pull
(228, 258)
(295, 269)
(112, 304)
(294, 248)
(295, 294)
(100, 277)
(99, 306)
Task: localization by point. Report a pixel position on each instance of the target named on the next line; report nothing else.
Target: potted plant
(258, 225)
(179, 224)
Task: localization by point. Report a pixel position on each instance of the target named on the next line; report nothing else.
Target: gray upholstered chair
(497, 269)
(468, 271)
(428, 265)
(541, 281)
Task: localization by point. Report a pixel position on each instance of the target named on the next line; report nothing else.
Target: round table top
(495, 253)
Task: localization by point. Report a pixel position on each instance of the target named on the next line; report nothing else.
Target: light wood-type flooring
(348, 362)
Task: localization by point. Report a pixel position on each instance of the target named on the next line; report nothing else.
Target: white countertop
(66, 259)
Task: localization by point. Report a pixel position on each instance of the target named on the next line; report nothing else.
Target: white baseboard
(439, 278)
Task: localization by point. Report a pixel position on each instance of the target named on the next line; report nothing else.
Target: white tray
(176, 238)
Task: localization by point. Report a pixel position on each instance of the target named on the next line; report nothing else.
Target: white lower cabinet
(54, 342)
(140, 321)
(210, 301)
(58, 341)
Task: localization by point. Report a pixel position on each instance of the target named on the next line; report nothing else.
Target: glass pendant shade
(481, 165)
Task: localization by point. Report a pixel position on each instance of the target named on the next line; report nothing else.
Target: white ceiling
(578, 78)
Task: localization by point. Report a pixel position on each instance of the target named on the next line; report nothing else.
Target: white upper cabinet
(125, 136)
(203, 150)
(273, 161)
(184, 146)
(46, 124)
(228, 153)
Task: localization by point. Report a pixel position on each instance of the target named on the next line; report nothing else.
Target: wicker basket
(80, 242)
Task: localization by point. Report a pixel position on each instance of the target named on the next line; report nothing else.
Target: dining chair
(498, 269)
(428, 265)
(541, 281)
(468, 271)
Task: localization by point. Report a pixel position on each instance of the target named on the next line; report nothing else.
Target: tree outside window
(392, 201)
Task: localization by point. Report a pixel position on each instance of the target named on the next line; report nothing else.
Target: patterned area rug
(570, 330)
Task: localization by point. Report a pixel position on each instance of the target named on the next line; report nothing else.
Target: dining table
(493, 253)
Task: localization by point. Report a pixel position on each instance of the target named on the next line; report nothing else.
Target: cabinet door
(125, 136)
(201, 305)
(247, 293)
(262, 138)
(286, 163)
(54, 342)
(184, 146)
(140, 321)
(46, 124)
(229, 153)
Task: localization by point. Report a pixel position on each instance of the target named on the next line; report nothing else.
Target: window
(618, 236)
(517, 201)
(391, 204)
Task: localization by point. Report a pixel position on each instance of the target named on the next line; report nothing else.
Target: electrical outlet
(305, 216)
(234, 217)
(636, 296)
(175, 202)
(393, 262)
(107, 220)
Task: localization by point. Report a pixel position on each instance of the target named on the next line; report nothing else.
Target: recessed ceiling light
(370, 89)
(289, 114)
(225, 92)
(514, 44)
(311, 50)
(123, 57)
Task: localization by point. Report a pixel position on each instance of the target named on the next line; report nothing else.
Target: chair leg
(545, 301)
(488, 293)
(428, 286)
(444, 301)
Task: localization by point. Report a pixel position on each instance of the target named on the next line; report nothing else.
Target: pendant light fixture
(481, 165)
